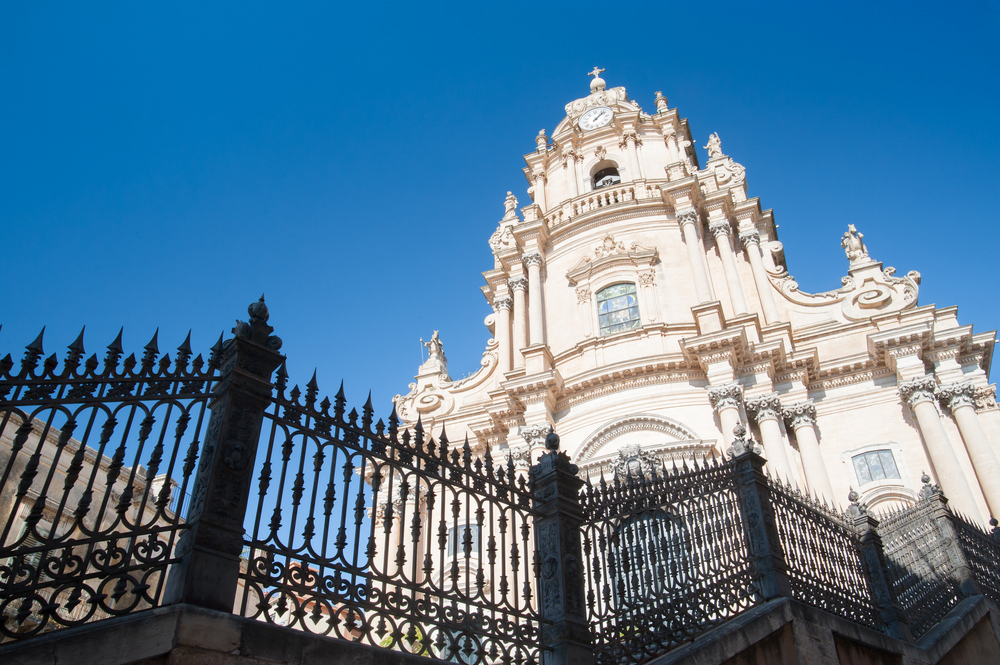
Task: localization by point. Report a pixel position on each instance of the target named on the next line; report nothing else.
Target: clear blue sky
(162, 164)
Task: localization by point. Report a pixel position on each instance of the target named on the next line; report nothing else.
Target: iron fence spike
(152, 346)
(185, 346)
(116, 345)
(77, 345)
(36, 346)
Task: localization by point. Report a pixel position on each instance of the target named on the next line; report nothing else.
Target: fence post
(558, 524)
(209, 551)
(873, 554)
(759, 525)
(942, 516)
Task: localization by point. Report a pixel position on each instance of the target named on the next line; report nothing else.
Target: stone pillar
(572, 177)
(919, 394)
(519, 286)
(801, 418)
(503, 306)
(766, 411)
(873, 555)
(538, 178)
(562, 592)
(724, 241)
(209, 551)
(536, 330)
(757, 509)
(751, 243)
(688, 220)
(960, 398)
(627, 143)
(726, 402)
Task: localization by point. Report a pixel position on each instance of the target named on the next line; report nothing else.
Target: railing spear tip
(77, 345)
(36, 346)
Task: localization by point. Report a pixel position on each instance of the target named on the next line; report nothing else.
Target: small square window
(873, 466)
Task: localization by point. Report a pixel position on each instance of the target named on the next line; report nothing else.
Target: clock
(595, 117)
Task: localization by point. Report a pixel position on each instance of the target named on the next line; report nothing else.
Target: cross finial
(597, 72)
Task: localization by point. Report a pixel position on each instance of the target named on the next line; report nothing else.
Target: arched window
(605, 177)
(618, 308)
(873, 466)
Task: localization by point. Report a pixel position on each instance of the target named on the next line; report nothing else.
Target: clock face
(596, 117)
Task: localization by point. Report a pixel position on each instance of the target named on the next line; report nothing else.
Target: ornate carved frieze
(607, 97)
(502, 237)
(633, 461)
(918, 390)
(956, 395)
(764, 407)
(531, 259)
(800, 415)
(726, 397)
(609, 247)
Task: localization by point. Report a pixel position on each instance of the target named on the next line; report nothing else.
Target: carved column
(519, 286)
(726, 401)
(572, 177)
(209, 551)
(628, 143)
(503, 306)
(919, 394)
(562, 594)
(751, 243)
(688, 220)
(766, 411)
(801, 418)
(538, 178)
(724, 241)
(960, 398)
(536, 330)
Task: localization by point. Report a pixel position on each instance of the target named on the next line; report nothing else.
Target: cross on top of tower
(598, 83)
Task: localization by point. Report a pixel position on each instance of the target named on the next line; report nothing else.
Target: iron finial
(552, 439)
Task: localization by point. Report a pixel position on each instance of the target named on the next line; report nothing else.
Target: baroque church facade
(642, 308)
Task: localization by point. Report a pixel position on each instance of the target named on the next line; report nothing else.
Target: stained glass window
(618, 308)
(876, 465)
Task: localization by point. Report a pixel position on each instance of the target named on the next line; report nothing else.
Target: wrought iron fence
(321, 520)
(95, 463)
(823, 555)
(367, 534)
(666, 558)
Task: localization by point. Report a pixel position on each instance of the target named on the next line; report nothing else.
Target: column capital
(503, 303)
(531, 259)
(918, 390)
(538, 174)
(720, 227)
(750, 238)
(727, 396)
(582, 294)
(800, 415)
(687, 216)
(956, 395)
(764, 407)
(518, 284)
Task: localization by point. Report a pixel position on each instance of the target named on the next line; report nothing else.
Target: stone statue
(509, 204)
(854, 244)
(434, 347)
(714, 146)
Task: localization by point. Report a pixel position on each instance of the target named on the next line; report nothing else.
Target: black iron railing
(131, 484)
